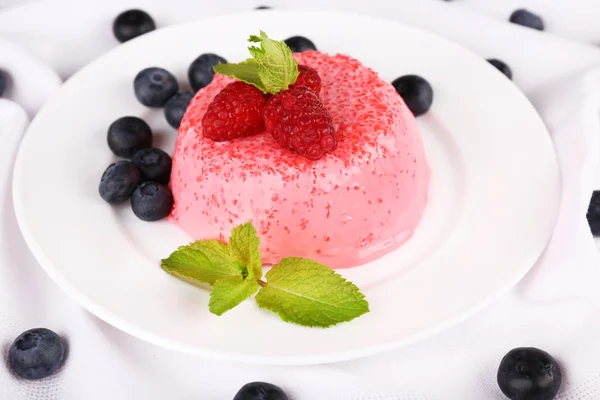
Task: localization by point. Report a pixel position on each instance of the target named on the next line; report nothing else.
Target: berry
(2, 82)
(527, 18)
(593, 214)
(36, 354)
(263, 8)
(235, 112)
(299, 121)
(260, 391)
(154, 163)
(154, 86)
(127, 135)
(298, 44)
(176, 106)
(528, 373)
(416, 92)
(119, 181)
(201, 71)
(131, 24)
(308, 77)
(501, 66)
(151, 201)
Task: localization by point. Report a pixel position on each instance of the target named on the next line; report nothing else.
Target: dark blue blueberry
(527, 18)
(151, 201)
(36, 354)
(131, 24)
(154, 86)
(593, 214)
(501, 66)
(176, 106)
(260, 391)
(416, 92)
(201, 71)
(2, 82)
(154, 163)
(119, 181)
(263, 8)
(127, 135)
(298, 44)
(528, 373)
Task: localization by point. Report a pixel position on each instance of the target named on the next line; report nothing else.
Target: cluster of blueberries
(524, 373)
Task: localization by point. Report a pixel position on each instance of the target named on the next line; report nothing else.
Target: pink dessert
(354, 205)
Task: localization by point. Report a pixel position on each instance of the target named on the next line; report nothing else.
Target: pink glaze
(352, 206)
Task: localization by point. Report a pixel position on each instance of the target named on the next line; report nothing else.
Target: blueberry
(527, 18)
(2, 82)
(127, 135)
(119, 181)
(260, 391)
(416, 92)
(154, 86)
(501, 66)
(176, 106)
(298, 44)
(528, 373)
(154, 163)
(151, 201)
(593, 214)
(201, 71)
(36, 354)
(263, 8)
(131, 24)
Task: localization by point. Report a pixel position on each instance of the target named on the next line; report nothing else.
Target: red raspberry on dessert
(308, 77)
(235, 112)
(299, 121)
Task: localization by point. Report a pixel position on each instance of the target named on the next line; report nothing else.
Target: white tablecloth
(556, 307)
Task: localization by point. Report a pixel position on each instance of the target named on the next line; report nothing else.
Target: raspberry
(235, 112)
(308, 77)
(299, 121)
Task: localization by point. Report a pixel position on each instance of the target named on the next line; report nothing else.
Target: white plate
(494, 197)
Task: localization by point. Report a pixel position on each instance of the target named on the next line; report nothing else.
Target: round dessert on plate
(358, 202)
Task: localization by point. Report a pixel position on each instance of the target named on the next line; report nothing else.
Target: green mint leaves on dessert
(299, 290)
(272, 68)
(246, 71)
(308, 293)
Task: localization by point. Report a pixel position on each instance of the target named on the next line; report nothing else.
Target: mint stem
(262, 283)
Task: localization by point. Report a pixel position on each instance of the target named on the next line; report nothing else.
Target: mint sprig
(299, 290)
(272, 68)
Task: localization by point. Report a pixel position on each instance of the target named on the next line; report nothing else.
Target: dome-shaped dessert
(355, 204)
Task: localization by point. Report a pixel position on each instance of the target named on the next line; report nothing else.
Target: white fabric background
(556, 307)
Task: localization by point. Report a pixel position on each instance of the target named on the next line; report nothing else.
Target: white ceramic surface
(494, 197)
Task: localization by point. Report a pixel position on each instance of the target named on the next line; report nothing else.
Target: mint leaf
(204, 261)
(246, 71)
(272, 68)
(277, 67)
(230, 292)
(244, 246)
(308, 293)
